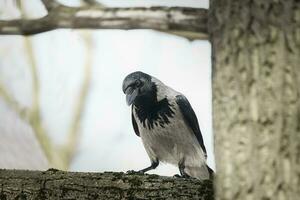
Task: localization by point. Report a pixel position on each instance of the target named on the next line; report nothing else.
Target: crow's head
(138, 86)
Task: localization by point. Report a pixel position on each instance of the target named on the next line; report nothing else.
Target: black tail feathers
(211, 172)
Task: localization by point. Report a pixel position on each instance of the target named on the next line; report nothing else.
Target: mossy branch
(54, 184)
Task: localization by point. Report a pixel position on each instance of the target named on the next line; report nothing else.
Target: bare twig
(56, 158)
(186, 22)
(13, 104)
(34, 114)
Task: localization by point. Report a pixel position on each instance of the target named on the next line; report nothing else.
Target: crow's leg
(153, 165)
(183, 174)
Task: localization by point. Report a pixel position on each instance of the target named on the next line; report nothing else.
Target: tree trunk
(54, 184)
(256, 105)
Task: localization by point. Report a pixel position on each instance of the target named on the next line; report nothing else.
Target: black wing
(134, 124)
(190, 118)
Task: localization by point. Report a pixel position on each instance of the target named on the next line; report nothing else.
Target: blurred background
(61, 103)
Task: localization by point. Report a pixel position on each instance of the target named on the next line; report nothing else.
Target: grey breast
(171, 142)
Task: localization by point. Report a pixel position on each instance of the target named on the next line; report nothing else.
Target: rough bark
(256, 106)
(53, 184)
(186, 22)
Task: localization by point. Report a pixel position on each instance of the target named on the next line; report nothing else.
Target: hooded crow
(167, 125)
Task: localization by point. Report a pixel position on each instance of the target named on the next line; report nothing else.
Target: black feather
(155, 113)
(190, 118)
(134, 124)
(211, 172)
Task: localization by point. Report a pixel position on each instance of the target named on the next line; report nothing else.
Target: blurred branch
(50, 4)
(9, 99)
(69, 149)
(35, 116)
(12, 103)
(186, 22)
(92, 3)
(58, 159)
(35, 113)
(32, 115)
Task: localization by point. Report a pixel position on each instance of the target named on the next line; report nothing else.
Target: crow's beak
(131, 94)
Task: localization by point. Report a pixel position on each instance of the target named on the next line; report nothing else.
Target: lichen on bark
(55, 184)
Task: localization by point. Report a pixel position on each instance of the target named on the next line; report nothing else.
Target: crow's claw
(177, 176)
(181, 176)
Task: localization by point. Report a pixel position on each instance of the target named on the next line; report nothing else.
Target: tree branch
(50, 4)
(35, 112)
(186, 22)
(53, 184)
(92, 3)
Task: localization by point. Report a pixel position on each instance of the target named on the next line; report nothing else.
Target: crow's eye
(138, 83)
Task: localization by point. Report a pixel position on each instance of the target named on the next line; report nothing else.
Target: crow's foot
(182, 176)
